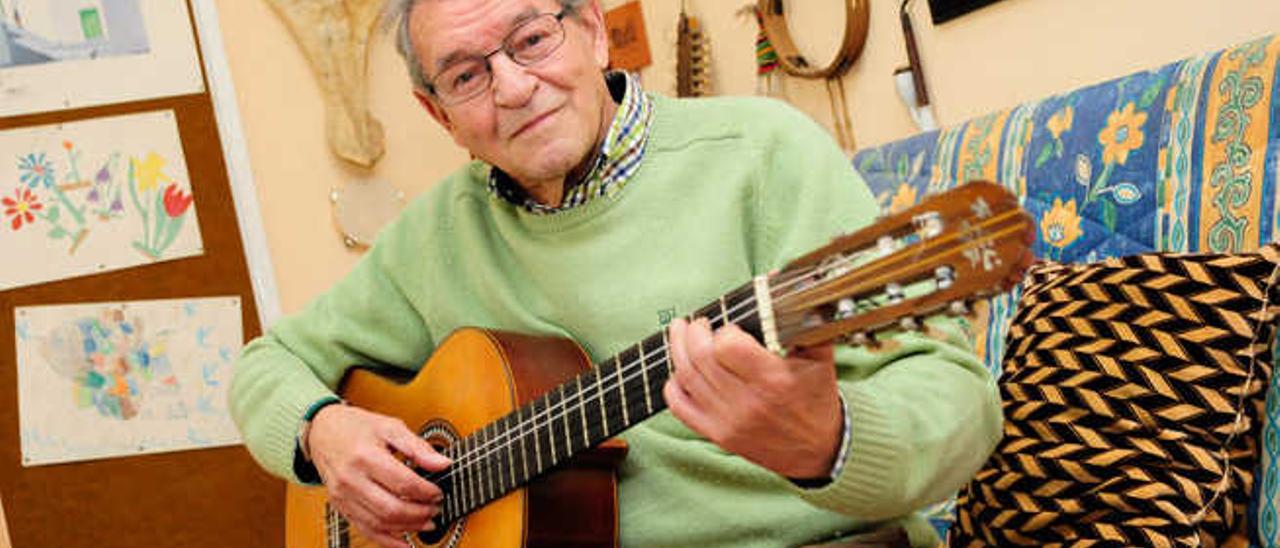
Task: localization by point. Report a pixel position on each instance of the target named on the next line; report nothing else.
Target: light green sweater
(728, 188)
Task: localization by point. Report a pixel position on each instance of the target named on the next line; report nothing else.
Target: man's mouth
(536, 122)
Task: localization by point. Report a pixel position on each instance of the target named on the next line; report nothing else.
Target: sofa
(1184, 158)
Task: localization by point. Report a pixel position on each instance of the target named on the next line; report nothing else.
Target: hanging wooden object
(693, 58)
(334, 36)
(857, 21)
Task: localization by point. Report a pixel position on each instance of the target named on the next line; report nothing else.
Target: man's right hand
(355, 452)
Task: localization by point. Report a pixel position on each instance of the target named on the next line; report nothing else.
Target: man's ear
(441, 117)
(593, 17)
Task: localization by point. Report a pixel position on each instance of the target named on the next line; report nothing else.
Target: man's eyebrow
(459, 55)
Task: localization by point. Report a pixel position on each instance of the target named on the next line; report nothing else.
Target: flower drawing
(36, 170)
(175, 201)
(21, 207)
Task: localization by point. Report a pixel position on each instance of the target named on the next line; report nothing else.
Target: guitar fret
(582, 410)
(482, 475)
(604, 418)
(505, 424)
(537, 444)
(464, 476)
(564, 417)
(622, 390)
(486, 449)
(551, 431)
(666, 344)
(724, 312)
(644, 375)
(524, 448)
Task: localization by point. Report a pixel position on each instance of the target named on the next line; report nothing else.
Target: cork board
(215, 497)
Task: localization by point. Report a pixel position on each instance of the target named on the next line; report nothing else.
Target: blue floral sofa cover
(1185, 157)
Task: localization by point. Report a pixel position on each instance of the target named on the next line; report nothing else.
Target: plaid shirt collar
(616, 162)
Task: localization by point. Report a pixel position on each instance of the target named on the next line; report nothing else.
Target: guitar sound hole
(441, 436)
(432, 537)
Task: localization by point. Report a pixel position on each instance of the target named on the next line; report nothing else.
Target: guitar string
(562, 409)
(591, 391)
(475, 464)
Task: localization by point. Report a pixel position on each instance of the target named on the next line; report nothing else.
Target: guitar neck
(616, 394)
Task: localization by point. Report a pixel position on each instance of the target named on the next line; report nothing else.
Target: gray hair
(396, 14)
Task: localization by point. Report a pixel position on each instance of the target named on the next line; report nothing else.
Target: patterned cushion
(1132, 394)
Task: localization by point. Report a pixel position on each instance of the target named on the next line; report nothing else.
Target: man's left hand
(781, 413)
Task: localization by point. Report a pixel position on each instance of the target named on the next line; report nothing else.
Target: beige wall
(1010, 52)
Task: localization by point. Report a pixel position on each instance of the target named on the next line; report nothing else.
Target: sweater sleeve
(366, 319)
(924, 413)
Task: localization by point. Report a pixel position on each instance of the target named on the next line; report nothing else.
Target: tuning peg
(845, 308)
(928, 224)
(893, 291)
(886, 245)
(858, 339)
(944, 276)
(908, 323)
(958, 308)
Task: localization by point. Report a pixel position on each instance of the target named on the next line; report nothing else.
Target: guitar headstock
(953, 248)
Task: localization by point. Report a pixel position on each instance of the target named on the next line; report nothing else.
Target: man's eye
(533, 39)
(530, 41)
(465, 77)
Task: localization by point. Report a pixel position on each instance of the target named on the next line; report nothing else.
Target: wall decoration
(628, 42)
(334, 36)
(111, 379)
(59, 54)
(92, 196)
(693, 57)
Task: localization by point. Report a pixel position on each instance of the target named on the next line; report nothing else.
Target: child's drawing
(93, 196)
(110, 379)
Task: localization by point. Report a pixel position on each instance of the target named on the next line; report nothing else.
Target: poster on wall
(116, 379)
(63, 54)
(92, 196)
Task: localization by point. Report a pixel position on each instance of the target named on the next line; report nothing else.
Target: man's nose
(512, 84)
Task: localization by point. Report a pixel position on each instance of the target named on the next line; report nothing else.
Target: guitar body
(475, 377)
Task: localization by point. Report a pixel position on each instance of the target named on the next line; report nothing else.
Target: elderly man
(595, 211)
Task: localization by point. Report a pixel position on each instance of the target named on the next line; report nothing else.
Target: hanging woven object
(766, 56)
(768, 74)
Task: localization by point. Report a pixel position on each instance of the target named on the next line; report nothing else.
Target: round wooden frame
(857, 20)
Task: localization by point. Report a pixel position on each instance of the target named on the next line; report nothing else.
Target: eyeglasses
(530, 42)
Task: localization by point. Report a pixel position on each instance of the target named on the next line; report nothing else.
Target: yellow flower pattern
(1060, 122)
(904, 198)
(149, 172)
(1122, 135)
(1061, 225)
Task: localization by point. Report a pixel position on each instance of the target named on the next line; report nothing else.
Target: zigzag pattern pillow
(1132, 393)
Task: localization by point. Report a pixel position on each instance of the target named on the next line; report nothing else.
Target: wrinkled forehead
(445, 30)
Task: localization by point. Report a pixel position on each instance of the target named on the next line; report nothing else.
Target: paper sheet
(63, 54)
(87, 197)
(116, 379)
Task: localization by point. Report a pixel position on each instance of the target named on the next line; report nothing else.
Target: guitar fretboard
(590, 408)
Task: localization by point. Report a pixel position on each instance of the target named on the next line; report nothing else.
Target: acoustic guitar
(528, 421)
